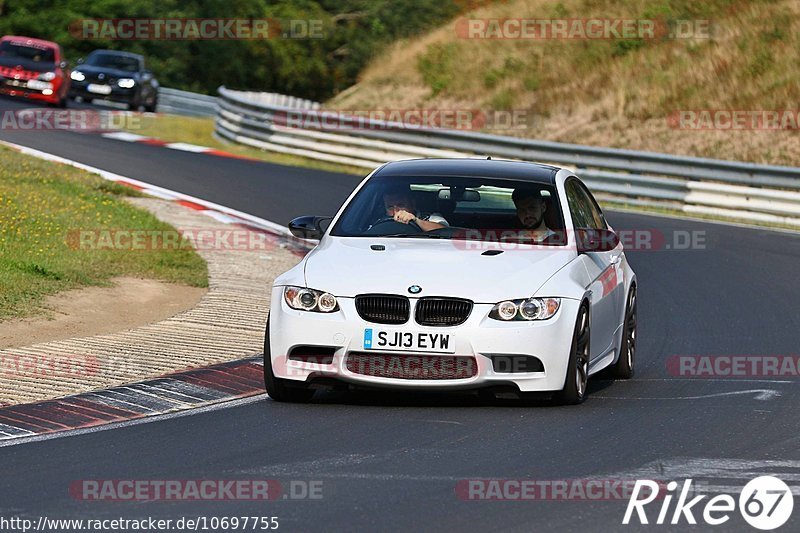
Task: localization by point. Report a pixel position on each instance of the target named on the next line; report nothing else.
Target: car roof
(34, 41)
(471, 167)
(118, 53)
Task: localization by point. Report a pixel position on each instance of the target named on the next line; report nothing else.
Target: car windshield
(468, 208)
(27, 51)
(113, 61)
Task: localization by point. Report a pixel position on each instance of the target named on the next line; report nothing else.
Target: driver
(530, 211)
(400, 206)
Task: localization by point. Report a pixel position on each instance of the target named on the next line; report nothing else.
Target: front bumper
(19, 88)
(117, 94)
(479, 337)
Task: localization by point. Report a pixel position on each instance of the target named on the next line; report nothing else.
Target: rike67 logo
(765, 503)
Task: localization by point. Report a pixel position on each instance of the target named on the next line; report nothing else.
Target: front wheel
(282, 390)
(574, 391)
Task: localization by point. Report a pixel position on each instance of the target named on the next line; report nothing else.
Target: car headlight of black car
(77, 75)
(304, 299)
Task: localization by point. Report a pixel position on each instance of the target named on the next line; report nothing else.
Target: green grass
(41, 203)
(200, 131)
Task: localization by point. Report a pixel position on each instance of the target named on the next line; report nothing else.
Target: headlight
(527, 309)
(77, 75)
(126, 83)
(304, 299)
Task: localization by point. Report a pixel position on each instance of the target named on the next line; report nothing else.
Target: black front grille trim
(442, 311)
(383, 308)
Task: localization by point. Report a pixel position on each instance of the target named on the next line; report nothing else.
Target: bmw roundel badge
(415, 289)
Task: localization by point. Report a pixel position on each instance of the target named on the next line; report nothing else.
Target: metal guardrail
(178, 102)
(747, 191)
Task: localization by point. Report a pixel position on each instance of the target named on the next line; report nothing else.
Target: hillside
(614, 92)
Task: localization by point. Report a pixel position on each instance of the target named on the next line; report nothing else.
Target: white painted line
(164, 195)
(225, 219)
(14, 432)
(178, 404)
(123, 136)
(760, 394)
(166, 391)
(188, 147)
(157, 191)
(217, 405)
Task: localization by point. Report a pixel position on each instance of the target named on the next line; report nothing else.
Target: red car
(33, 69)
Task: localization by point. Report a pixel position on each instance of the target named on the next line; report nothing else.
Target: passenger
(531, 208)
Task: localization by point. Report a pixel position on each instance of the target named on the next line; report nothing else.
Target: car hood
(347, 267)
(110, 72)
(18, 65)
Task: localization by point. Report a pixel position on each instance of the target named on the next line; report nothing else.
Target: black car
(117, 77)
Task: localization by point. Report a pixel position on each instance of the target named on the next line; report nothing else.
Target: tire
(282, 390)
(152, 107)
(574, 391)
(624, 367)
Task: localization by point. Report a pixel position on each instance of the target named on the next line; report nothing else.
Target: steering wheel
(386, 220)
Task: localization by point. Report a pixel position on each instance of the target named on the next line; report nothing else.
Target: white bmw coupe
(455, 274)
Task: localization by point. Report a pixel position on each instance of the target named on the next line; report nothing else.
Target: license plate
(99, 89)
(408, 341)
(37, 85)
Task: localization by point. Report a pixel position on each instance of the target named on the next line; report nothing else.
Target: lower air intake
(410, 366)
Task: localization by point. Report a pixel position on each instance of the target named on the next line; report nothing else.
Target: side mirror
(595, 240)
(308, 227)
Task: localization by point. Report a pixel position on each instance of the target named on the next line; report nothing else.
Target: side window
(598, 220)
(579, 206)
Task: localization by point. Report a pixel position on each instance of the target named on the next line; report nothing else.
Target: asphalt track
(393, 461)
